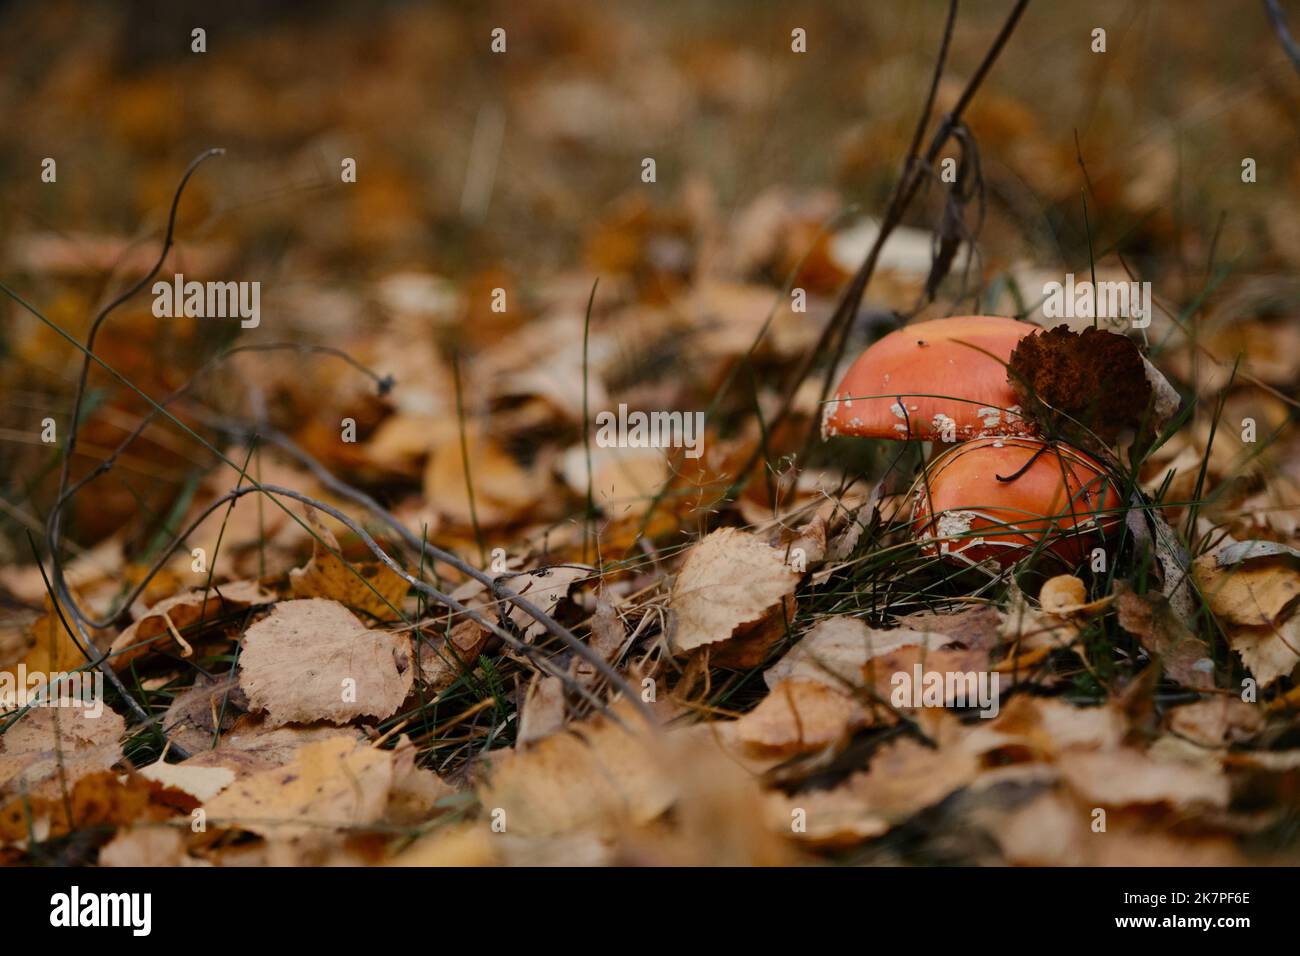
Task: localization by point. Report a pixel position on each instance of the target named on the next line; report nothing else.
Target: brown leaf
(503, 490)
(799, 717)
(202, 783)
(1039, 728)
(53, 648)
(175, 614)
(1027, 628)
(371, 587)
(194, 714)
(146, 846)
(332, 783)
(1217, 721)
(884, 673)
(100, 565)
(607, 638)
(442, 661)
(415, 793)
(253, 746)
(904, 778)
(313, 660)
(543, 710)
(731, 582)
(835, 650)
(1125, 777)
(1254, 593)
(622, 479)
(976, 628)
(545, 588)
(1095, 378)
(1270, 653)
(1046, 831)
(52, 746)
(595, 774)
(102, 799)
(1149, 618)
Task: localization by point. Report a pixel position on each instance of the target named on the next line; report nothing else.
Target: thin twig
(905, 190)
(1283, 33)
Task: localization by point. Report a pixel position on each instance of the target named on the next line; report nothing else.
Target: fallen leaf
(194, 714)
(54, 649)
(608, 636)
(175, 615)
(1239, 551)
(467, 844)
(593, 775)
(835, 650)
(1040, 728)
(146, 846)
(1269, 653)
(251, 749)
(416, 792)
(332, 784)
(1026, 628)
(1081, 384)
(904, 778)
(1149, 618)
(731, 582)
(503, 490)
(1125, 777)
(312, 660)
(1165, 400)
(1217, 721)
(799, 717)
(202, 783)
(100, 799)
(976, 628)
(949, 668)
(443, 660)
(622, 479)
(543, 710)
(371, 587)
(100, 564)
(50, 747)
(545, 588)
(1045, 831)
(1252, 593)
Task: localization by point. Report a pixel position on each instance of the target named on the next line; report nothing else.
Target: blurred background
(521, 171)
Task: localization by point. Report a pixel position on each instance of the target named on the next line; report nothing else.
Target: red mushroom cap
(889, 391)
(1063, 496)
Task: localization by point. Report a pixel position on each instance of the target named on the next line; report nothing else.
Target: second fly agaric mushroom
(942, 380)
(1001, 498)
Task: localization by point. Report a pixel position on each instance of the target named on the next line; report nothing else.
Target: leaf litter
(751, 613)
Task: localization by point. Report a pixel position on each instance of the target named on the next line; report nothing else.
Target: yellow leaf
(371, 587)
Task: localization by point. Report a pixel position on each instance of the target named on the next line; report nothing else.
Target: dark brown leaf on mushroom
(1080, 383)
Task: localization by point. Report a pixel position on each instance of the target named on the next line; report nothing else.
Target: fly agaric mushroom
(941, 380)
(1001, 498)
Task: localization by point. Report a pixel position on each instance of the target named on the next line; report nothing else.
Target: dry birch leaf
(801, 716)
(313, 660)
(202, 783)
(1253, 593)
(731, 581)
(50, 746)
(334, 783)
